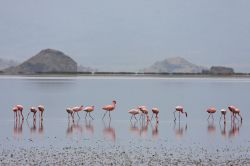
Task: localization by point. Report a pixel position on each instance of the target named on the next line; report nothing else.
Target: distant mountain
(174, 65)
(48, 60)
(4, 63)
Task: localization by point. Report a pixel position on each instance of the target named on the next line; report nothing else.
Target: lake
(58, 93)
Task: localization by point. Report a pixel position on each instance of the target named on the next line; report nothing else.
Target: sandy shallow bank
(118, 155)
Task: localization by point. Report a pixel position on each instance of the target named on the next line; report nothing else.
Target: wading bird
(223, 113)
(76, 110)
(41, 109)
(109, 108)
(70, 112)
(33, 110)
(134, 112)
(20, 110)
(179, 109)
(15, 109)
(156, 112)
(88, 110)
(144, 110)
(234, 111)
(211, 111)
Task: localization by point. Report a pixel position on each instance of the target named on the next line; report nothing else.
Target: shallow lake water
(58, 93)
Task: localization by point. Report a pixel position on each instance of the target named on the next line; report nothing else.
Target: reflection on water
(89, 128)
(223, 130)
(134, 129)
(41, 129)
(18, 128)
(155, 130)
(74, 128)
(211, 129)
(235, 129)
(109, 131)
(32, 127)
(180, 130)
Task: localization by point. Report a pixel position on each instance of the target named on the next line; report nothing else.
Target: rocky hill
(45, 61)
(174, 65)
(4, 63)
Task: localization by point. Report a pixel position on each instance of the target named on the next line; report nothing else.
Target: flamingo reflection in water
(74, 128)
(211, 129)
(33, 127)
(109, 131)
(134, 129)
(223, 130)
(18, 128)
(235, 129)
(155, 130)
(89, 128)
(41, 128)
(180, 130)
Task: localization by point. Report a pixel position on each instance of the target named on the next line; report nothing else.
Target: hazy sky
(128, 34)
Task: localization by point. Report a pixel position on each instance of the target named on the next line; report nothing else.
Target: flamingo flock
(140, 111)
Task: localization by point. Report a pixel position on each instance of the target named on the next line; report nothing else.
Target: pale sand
(118, 155)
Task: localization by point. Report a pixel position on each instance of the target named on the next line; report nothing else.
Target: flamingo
(76, 110)
(179, 109)
(15, 109)
(88, 110)
(41, 109)
(20, 109)
(223, 113)
(33, 110)
(134, 112)
(109, 108)
(144, 110)
(234, 111)
(156, 112)
(70, 112)
(211, 111)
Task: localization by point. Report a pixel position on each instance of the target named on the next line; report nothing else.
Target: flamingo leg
(135, 118)
(220, 117)
(174, 116)
(28, 115)
(152, 116)
(104, 115)
(22, 114)
(209, 116)
(179, 116)
(78, 115)
(131, 118)
(240, 117)
(91, 116)
(109, 115)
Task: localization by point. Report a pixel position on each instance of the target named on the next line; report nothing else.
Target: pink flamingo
(234, 111)
(88, 110)
(144, 110)
(20, 109)
(33, 110)
(156, 112)
(179, 109)
(70, 112)
(15, 109)
(41, 109)
(76, 110)
(109, 108)
(134, 112)
(223, 113)
(211, 111)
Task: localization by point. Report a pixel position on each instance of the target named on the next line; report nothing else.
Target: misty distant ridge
(174, 65)
(5, 63)
(55, 61)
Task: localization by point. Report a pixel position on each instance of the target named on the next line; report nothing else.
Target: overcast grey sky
(129, 34)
